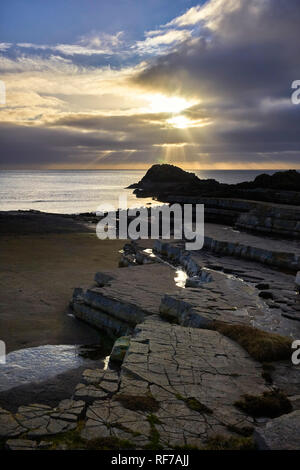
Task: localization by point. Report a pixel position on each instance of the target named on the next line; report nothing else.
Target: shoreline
(42, 261)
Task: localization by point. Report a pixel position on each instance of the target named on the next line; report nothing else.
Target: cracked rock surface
(178, 383)
(182, 363)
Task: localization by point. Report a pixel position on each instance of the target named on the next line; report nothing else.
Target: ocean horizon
(77, 191)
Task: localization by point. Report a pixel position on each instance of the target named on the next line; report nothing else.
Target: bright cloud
(211, 12)
(91, 44)
(156, 40)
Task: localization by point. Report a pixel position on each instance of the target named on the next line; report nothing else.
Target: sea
(77, 191)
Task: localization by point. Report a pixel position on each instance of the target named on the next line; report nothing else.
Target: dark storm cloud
(36, 145)
(141, 130)
(241, 69)
(120, 123)
(41, 146)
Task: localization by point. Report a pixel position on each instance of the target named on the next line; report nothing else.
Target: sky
(129, 83)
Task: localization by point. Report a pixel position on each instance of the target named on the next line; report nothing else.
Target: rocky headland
(164, 180)
(269, 204)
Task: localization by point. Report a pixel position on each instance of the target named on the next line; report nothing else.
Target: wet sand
(38, 272)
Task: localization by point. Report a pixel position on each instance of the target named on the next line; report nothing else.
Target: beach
(39, 272)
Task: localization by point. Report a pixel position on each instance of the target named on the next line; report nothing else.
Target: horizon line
(148, 167)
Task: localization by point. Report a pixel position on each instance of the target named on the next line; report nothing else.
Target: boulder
(282, 433)
(120, 349)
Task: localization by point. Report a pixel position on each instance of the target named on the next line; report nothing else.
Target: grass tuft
(261, 345)
(72, 440)
(154, 435)
(270, 404)
(194, 404)
(245, 431)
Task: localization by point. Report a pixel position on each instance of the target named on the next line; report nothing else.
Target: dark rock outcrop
(168, 178)
(169, 183)
(284, 180)
(269, 204)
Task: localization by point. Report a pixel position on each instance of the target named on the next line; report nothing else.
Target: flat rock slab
(38, 420)
(283, 254)
(139, 286)
(282, 308)
(282, 433)
(41, 420)
(97, 384)
(9, 426)
(227, 241)
(175, 363)
(110, 419)
(131, 294)
(228, 234)
(225, 299)
(241, 284)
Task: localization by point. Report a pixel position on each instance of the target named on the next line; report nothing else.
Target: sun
(159, 103)
(180, 122)
(173, 106)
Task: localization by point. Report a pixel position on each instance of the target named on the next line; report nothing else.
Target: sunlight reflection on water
(44, 362)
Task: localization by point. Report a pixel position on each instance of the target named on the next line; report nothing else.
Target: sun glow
(159, 103)
(183, 122)
(180, 122)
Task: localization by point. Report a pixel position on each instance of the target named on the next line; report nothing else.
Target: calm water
(74, 191)
(43, 363)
